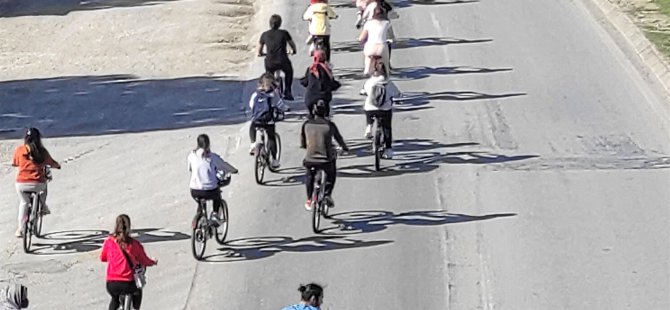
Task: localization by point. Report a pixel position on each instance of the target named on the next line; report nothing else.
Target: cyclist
(375, 35)
(31, 159)
(275, 41)
(263, 115)
(204, 166)
(379, 102)
(311, 298)
(369, 8)
(317, 138)
(14, 297)
(319, 15)
(116, 250)
(319, 83)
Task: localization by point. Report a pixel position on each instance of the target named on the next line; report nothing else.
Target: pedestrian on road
(311, 298)
(122, 253)
(319, 83)
(31, 158)
(14, 297)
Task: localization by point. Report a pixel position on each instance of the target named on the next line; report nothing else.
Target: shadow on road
(356, 222)
(405, 3)
(14, 8)
(415, 73)
(246, 249)
(110, 104)
(402, 43)
(77, 241)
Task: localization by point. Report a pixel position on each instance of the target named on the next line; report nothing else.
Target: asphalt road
(531, 173)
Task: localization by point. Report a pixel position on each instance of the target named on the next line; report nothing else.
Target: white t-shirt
(203, 169)
(391, 91)
(377, 31)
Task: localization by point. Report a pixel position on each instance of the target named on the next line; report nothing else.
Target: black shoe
(288, 97)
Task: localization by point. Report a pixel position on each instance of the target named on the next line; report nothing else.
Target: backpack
(379, 95)
(262, 112)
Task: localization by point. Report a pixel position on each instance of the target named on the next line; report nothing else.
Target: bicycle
(126, 302)
(319, 205)
(318, 43)
(33, 220)
(262, 156)
(378, 145)
(204, 227)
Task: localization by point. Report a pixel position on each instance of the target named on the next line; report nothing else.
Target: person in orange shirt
(31, 159)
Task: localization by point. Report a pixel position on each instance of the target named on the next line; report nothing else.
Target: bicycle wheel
(278, 154)
(199, 235)
(27, 233)
(317, 200)
(38, 218)
(222, 230)
(127, 301)
(376, 148)
(259, 164)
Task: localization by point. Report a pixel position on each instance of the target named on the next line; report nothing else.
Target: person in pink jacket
(119, 275)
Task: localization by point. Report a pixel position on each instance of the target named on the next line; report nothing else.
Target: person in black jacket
(319, 82)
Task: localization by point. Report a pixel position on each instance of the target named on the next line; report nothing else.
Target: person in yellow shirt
(319, 14)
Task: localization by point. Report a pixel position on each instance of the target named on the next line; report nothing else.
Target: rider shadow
(402, 43)
(408, 3)
(422, 97)
(359, 222)
(246, 249)
(80, 241)
(422, 72)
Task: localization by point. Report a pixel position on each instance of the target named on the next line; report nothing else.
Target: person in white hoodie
(204, 166)
(380, 92)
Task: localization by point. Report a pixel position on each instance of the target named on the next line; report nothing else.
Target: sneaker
(252, 149)
(18, 233)
(388, 153)
(368, 132)
(329, 201)
(308, 205)
(275, 164)
(45, 210)
(288, 97)
(363, 92)
(215, 219)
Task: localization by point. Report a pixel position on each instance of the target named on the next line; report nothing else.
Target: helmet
(320, 108)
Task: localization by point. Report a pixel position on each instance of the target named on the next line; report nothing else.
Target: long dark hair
(311, 293)
(122, 230)
(203, 143)
(33, 139)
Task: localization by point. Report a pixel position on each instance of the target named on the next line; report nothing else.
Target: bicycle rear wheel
(39, 217)
(317, 200)
(199, 235)
(222, 230)
(376, 147)
(259, 164)
(27, 234)
(278, 154)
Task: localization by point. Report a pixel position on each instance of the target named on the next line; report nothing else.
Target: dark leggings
(385, 118)
(118, 288)
(331, 174)
(272, 140)
(326, 43)
(214, 195)
(284, 66)
(310, 101)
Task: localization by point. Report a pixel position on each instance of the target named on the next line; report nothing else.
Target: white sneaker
(252, 148)
(215, 218)
(18, 233)
(363, 92)
(308, 205)
(275, 164)
(46, 210)
(368, 132)
(388, 153)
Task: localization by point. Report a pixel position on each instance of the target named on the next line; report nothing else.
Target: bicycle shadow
(246, 249)
(81, 241)
(370, 221)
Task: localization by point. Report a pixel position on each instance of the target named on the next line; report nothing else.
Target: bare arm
(260, 49)
(363, 36)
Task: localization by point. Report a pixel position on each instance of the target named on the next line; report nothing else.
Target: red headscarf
(319, 61)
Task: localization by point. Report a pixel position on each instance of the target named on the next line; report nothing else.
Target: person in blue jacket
(311, 298)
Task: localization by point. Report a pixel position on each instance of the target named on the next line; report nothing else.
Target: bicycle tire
(316, 203)
(259, 164)
(278, 154)
(222, 230)
(323, 208)
(127, 302)
(376, 148)
(199, 235)
(27, 235)
(38, 218)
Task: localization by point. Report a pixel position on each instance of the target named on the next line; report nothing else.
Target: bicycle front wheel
(222, 230)
(199, 235)
(259, 164)
(376, 148)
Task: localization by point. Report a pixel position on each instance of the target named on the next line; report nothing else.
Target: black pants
(283, 65)
(326, 45)
(272, 140)
(118, 288)
(214, 195)
(385, 118)
(331, 174)
(311, 100)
